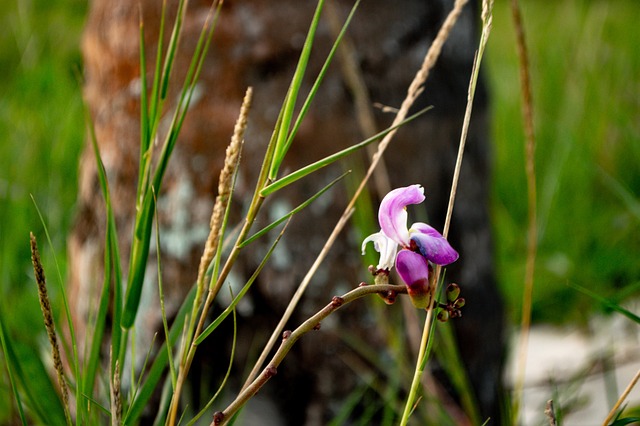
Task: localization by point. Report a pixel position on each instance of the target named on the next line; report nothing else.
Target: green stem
(417, 375)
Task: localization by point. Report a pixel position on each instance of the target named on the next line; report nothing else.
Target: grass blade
(165, 325)
(292, 95)
(304, 171)
(112, 271)
(227, 374)
(606, 302)
(32, 375)
(321, 74)
(159, 364)
(144, 219)
(291, 213)
(9, 363)
(241, 294)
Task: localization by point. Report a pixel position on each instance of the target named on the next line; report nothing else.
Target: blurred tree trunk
(257, 45)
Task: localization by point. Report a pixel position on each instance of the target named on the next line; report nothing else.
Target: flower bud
(453, 291)
(443, 315)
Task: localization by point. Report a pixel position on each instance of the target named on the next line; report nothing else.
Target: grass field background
(585, 64)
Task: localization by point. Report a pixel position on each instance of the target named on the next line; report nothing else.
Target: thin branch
(289, 338)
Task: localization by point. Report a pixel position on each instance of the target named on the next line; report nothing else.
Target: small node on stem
(389, 297)
(363, 284)
(286, 334)
(337, 301)
(270, 371)
(316, 327)
(218, 417)
(381, 276)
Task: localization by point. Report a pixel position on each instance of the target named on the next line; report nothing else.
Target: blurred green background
(585, 65)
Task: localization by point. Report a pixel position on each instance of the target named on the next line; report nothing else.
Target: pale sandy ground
(583, 371)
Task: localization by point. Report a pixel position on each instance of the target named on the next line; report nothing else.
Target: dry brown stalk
(225, 184)
(622, 398)
(49, 324)
(532, 235)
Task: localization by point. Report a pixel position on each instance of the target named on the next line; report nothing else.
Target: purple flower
(414, 270)
(420, 244)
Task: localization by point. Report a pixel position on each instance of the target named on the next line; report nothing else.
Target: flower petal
(432, 244)
(414, 271)
(393, 215)
(383, 245)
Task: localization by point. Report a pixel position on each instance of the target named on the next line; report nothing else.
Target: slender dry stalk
(532, 237)
(290, 337)
(620, 400)
(414, 90)
(225, 184)
(487, 19)
(49, 324)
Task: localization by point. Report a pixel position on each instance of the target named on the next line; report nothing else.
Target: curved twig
(290, 337)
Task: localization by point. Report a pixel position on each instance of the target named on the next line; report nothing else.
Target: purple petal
(432, 244)
(414, 271)
(383, 245)
(393, 215)
(412, 267)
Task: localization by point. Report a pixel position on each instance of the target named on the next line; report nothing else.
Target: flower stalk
(49, 324)
(289, 338)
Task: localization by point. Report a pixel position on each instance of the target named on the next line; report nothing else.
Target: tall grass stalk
(212, 247)
(532, 224)
(47, 313)
(487, 6)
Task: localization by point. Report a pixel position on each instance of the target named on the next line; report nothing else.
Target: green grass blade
(159, 364)
(292, 212)
(41, 395)
(227, 374)
(145, 136)
(172, 49)
(321, 75)
(606, 302)
(292, 94)
(304, 171)
(113, 274)
(155, 104)
(144, 220)
(165, 325)
(448, 354)
(9, 363)
(96, 336)
(241, 294)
